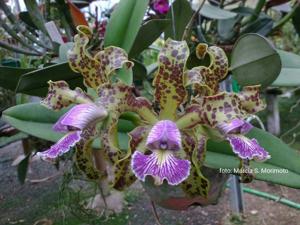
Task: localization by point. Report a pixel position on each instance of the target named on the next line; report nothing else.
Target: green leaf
(23, 168)
(214, 12)
(220, 155)
(37, 120)
(182, 14)
(296, 19)
(33, 119)
(290, 71)
(9, 76)
(35, 82)
(148, 33)
(251, 58)
(25, 17)
(35, 14)
(263, 25)
(124, 23)
(139, 72)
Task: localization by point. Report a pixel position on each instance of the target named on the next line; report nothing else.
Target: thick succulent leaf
(152, 30)
(168, 81)
(220, 155)
(95, 70)
(290, 72)
(9, 76)
(61, 96)
(36, 82)
(124, 23)
(182, 13)
(214, 12)
(251, 53)
(38, 121)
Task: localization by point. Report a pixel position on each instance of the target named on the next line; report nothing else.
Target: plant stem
(155, 213)
(286, 18)
(17, 49)
(190, 23)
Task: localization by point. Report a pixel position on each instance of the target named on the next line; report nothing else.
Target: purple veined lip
(236, 126)
(161, 165)
(164, 135)
(62, 146)
(247, 148)
(79, 117)
(163, 139)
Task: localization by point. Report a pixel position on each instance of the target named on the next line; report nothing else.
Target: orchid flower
(170, 142)
(160, 6)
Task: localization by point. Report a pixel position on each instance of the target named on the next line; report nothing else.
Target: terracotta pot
(172, 197)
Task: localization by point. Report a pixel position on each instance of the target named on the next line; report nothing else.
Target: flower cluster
(170, 142)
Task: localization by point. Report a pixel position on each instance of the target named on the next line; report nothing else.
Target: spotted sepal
(117, 99)
(196, 184)
(84, 155)
(123, 176)
(95, 69)
(60, 95)
(168, 82)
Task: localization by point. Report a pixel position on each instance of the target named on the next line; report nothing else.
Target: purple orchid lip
(79, 117)
(62, 146)
(161, 165)
(164, 135)
(236, 126)
(247, 148)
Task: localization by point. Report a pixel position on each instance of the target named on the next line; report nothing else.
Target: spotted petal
(95, 70)
(60, 96)
(62, 146)
(205, 80)
(164, 135)
(213, 110)
(168, 82)
(117, 99)
(247, 149)
(250, 99)
(161, 165)
(79, 117)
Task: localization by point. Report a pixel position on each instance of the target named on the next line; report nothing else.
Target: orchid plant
(169, 143)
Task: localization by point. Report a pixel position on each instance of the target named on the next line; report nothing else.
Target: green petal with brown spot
(196, 184)
(60, 96)
(123, 173)
(95, 69)
(250, 99)
(205, 80)
(212, 110)
(85, 161)
(117, 99)
(168, 82)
